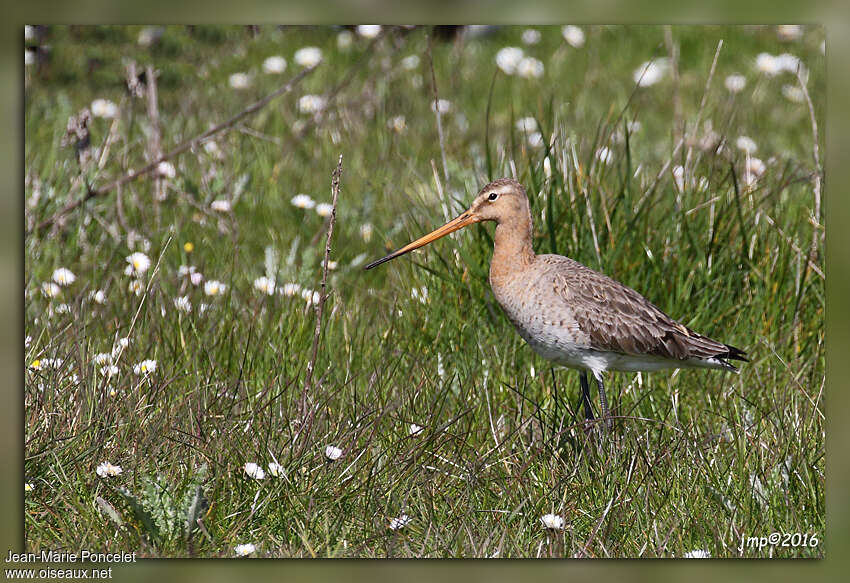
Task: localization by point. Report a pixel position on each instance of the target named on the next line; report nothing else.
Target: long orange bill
(463, 220)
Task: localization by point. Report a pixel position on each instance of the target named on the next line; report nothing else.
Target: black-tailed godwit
(570, 314)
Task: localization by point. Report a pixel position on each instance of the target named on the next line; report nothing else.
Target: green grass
(697, 459)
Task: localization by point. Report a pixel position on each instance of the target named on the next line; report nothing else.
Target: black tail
(734, 354)
(731, 353)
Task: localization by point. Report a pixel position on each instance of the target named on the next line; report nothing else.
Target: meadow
(179, 401)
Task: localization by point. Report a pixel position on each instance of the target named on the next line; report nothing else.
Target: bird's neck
(512, 250)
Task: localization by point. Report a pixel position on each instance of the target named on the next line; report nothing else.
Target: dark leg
(603, 401)
(585, 396)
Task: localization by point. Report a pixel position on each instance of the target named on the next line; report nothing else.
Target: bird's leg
(585, 396)
(603, 401)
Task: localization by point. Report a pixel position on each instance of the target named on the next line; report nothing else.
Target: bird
(570, 314)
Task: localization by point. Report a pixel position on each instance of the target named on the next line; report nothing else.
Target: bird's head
(502, 200)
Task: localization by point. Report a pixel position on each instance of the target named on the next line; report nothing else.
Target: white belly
(559, 348)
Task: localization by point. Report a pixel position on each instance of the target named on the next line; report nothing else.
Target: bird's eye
(493, 196)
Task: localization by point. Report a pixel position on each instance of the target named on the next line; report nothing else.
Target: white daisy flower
(109, 370)
(254, 471)
(183, 304)
(651, 72)
(508, 59)
(107, 470)
(166, 170)
(767, 64)
(410, 62)
(276, 470)
(290, 289)
(526, 124)
(324, 209)
(221, 205)
(244, 550)
(310, 296)
(366, 231)
(308, 56)
(793, 93)
(139, 263)
(415, 429)
(331, 264)
(27, 342)
(136, 287)
(274, 65)
(790, 63)
(311, 103)
(63, 309)
(104, 108)
(239, 81)
(397, 123)
(369, 30)
(64, 276)
(120, 345)
(530, 68)
(755, 166)
(531, 36)
(552, 521)
(399, 522)
(789, 32)
(29, 487)
(573, 35)
(214, 288)
(698, 554)
(442, 105)
(50, 289)
(264, 285)
(102, 358)
(303, 201)
(97, 296)
(735, 83)
(344, 40)
(149, 35)
(746, 144)
(333, 453)
(145, 367)
(535, 139)
(46, 363)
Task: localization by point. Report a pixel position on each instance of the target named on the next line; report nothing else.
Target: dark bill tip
(450, 227)
(379, 261)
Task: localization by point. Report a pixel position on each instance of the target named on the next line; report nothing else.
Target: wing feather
(617, 318)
